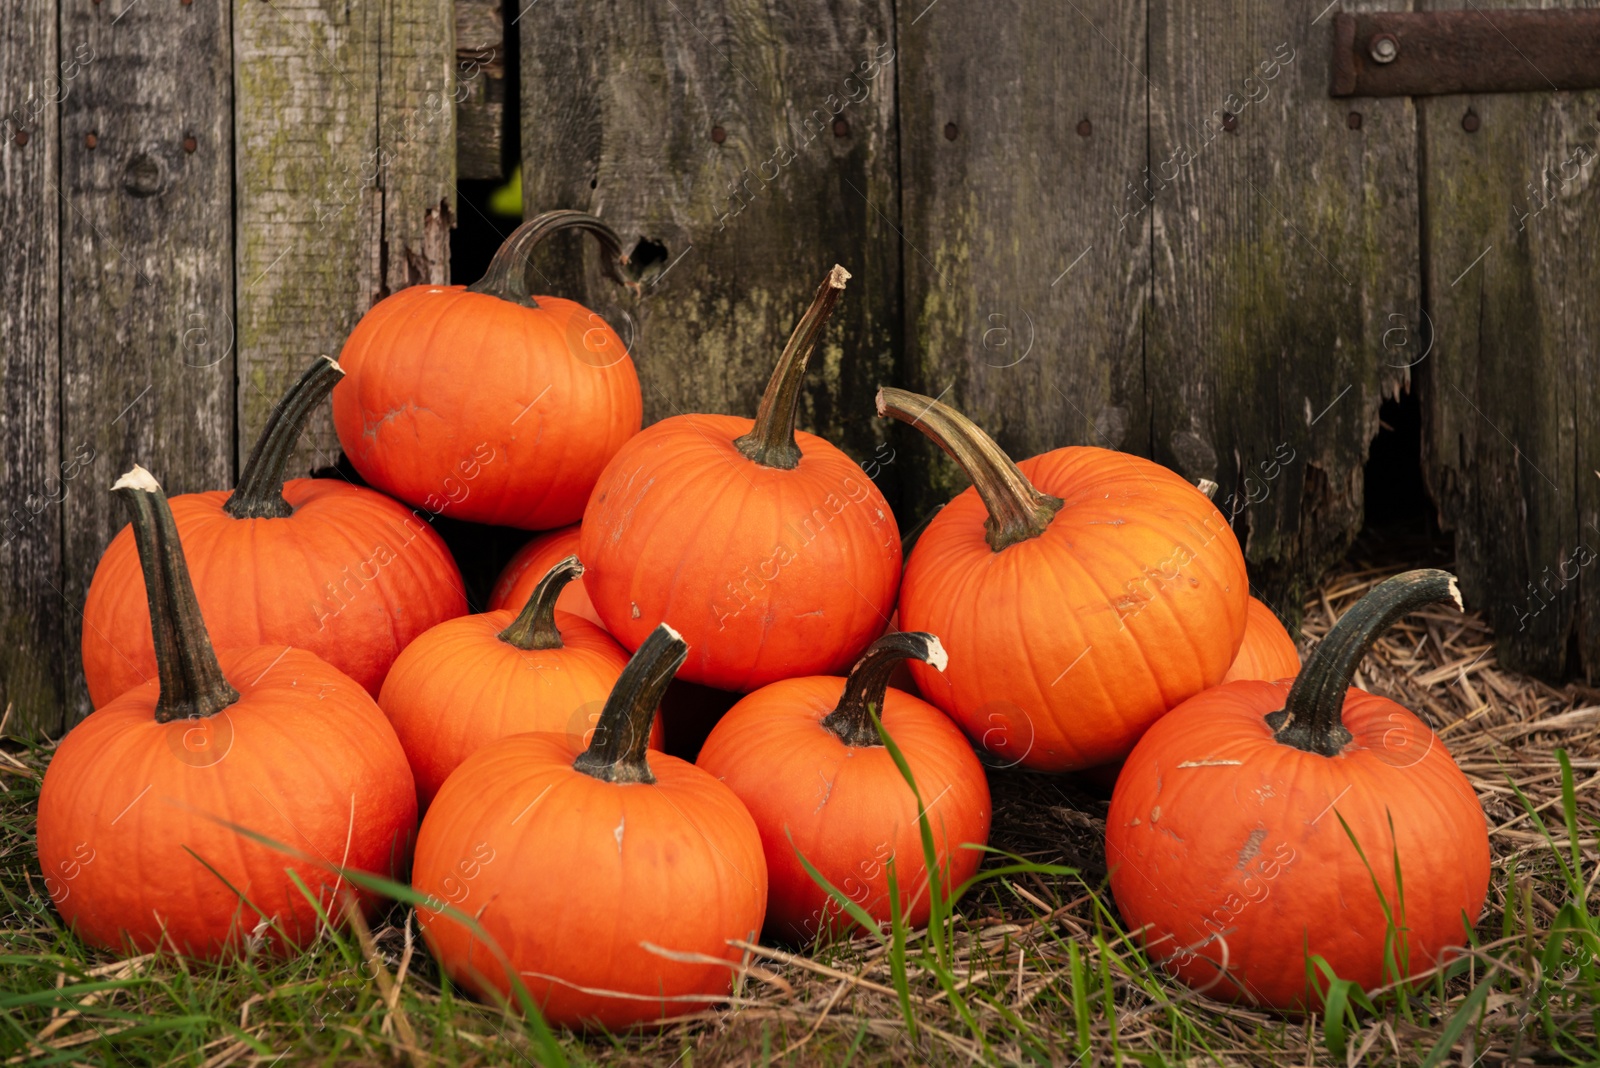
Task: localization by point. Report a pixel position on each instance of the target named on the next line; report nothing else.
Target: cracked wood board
(1024, 292)
(622, 107)
(1285, 300)
(33, 482)
(147, 353)
(1510, 403)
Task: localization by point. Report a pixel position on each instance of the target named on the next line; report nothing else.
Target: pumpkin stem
(535, 625)
(1017, 511)
(1311, 718)
(851, 719)
(506, 277)
(259, 492)
(770, 442)
(192, 684)
(617, 751)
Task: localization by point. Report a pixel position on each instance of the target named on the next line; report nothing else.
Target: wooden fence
(1142, 226)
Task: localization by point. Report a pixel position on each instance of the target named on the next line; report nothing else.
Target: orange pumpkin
(326, 566)
(1234, 829)
(1081, 594)
(477, 678)
(805, 757)
(775, 553)
(525, 570)
(134, 815)
(608, 879)
(483, 403)
(1267, 652)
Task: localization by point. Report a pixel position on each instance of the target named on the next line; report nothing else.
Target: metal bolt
(1353, 120)
(1084, 128)
(841, 128)
(1230, 121)
(1469, 122)
(189, 143)
(22, 137)
(90, 140)
(1384, 48)
(718, 134)
(950, 131)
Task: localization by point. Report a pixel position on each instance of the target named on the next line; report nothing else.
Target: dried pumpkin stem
(1017, 511)
(259, 492)
(535, 625)
(851, 719)
(621, 739)
(192, 684)
(1312, 717)
(770, 442)
(506, 277)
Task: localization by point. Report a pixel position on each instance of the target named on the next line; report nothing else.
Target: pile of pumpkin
(285, 676)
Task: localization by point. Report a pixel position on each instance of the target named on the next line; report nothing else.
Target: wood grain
(480, 89)
(33, 482)
(416, 141)
(1511, 439)
(147, 341)
(1285, 301)
(1025, 292)
(623, 105)
(306, 196)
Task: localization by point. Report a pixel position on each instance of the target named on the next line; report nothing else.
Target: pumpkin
(1259, 822)
(1267, 652)
(326, 566)
(1081, 594)
(139, 808)
(805, 757)
(608, 879)
(775, 553)
(484, 403)
(526, 569)
(476, 678)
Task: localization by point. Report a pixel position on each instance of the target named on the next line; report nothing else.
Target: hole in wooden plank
(644, 256)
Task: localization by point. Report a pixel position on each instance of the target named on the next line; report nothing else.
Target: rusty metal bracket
(1405, 53)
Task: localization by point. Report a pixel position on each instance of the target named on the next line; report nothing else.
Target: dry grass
(1035, 968)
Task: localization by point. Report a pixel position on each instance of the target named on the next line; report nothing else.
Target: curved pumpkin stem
(1017, 511)
(192, 684)
(617, 751)
(851, 719)
(259, 492)
(770, 442)
(1312, 717)
(506, 277)
(535, 625)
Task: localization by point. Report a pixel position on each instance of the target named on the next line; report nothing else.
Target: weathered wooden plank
(1510, 400)
(480, 89)
(755, 146)
(1286, 297)
(306, 197)
(1026, 278)
(416, 140)
(147, 263)
(33, 481)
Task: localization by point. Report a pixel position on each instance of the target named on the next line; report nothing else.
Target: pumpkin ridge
(731, 531)
(389, 331)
